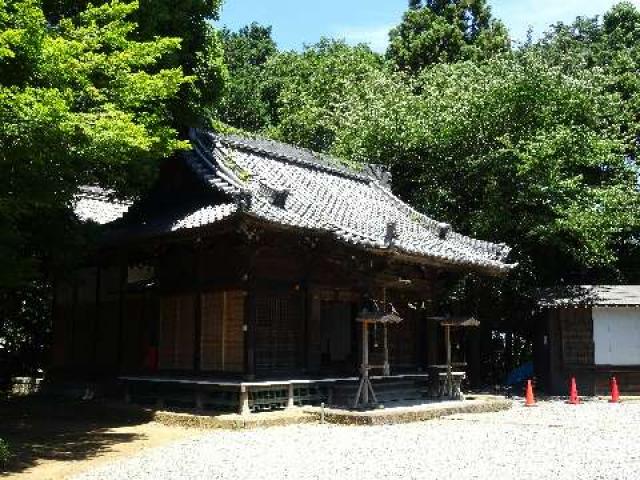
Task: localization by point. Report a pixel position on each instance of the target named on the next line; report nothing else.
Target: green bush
(5, 453)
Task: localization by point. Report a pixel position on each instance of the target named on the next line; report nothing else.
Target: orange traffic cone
(573, 393)
(529, 401)
(615, 394)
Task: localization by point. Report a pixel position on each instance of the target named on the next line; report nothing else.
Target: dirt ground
(55, 440)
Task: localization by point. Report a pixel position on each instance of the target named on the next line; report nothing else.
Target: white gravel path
(594, 440)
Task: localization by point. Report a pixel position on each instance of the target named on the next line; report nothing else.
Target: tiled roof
(286, 185)
(592, 295)
(94, 204)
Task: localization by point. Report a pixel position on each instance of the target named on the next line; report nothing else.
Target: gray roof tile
(94, 204)
(296, 187)
(592, 295)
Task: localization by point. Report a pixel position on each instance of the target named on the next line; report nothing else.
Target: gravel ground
(594, 440)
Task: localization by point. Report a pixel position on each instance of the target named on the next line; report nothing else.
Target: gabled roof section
(95, 204)
(592, 295)
(295, 187)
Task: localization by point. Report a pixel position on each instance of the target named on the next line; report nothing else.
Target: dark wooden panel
(212, 305)
(177, 332)
(222, 342)
(107, 335)
(134, 337)
(336, 341)
(62, 325)
(279, 323)
(233, 331)
(83, 340)
(577, 336)
(84, 319)
(314, 333)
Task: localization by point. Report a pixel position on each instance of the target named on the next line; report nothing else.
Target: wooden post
(386, 371)
(250, 333)
(222, 329)
(124, 269)
(74, 314)
(365, 361)
(96, 323)
(447, 341)
(244, 401)
(290, 399)
(197, 317)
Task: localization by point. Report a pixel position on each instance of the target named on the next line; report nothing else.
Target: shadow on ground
(48, 428)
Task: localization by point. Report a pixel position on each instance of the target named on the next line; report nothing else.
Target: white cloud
(540, 14)
(376, 36)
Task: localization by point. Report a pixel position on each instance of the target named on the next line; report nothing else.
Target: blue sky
(299, 22)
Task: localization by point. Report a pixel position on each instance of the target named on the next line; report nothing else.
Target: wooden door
(336, 326)
(177, 332)
(222, 341)
(279, 326)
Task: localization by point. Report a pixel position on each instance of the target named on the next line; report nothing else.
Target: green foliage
(246, 102)
(509, 149)
(610, 45)
(25, 329)
(309, 89)
(444, 31)
(5, 453)
(200, 55)
(80, 103)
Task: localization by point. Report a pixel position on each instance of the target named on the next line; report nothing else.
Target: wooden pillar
(197, 335)
(96, 322)
(447, 342)
(432, 342)
(314, 332)
(121, 307)
(290, 396)
(365, 360)
(74, 314)
(244, 401)
(249, 328)
(386, 368)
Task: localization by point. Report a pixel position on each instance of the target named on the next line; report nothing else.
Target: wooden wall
(110, 322)
(265, 303)
(177, 332)
(279, 329)
(222, 340)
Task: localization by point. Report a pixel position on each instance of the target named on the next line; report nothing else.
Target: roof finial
(391, 233)
(443, 230)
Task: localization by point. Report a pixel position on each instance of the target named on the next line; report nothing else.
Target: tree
(446, 31)
(306, 90)
(509, 150)
(200, 55)
(244, 104)
(80, 103)
(610, 46)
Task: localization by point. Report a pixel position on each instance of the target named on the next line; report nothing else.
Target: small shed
(591, 332)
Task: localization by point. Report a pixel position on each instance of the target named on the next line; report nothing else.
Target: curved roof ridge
(218, 168)
(289, 153)
(288, 186)
(500, 250)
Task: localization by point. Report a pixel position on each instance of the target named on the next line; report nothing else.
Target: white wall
(616, 336)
